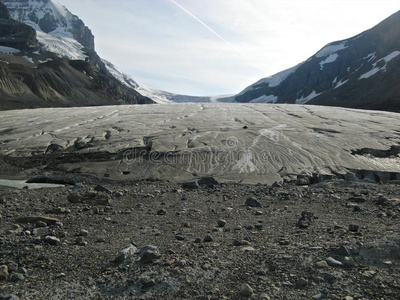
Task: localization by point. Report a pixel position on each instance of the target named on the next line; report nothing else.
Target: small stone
(259, 213)
(100, 188)
(301, 283)
(84, 232)
(148, 254)
(261, 273)
(12, 266)
(388, 263)
(348, 261)
(342, 251)
(23, 271)
(41, 224)
(348, 298)
(51, 240)
(382, 200)
(80, 242)
(306, 219)
(126, 253)
(208, 181)
(277, 184)
(252, 202)
(197, 241)
(4, 272)
(96, 210)
(190, 185)
(180, 237)
(248, 249)
(333, 262)
(321, 264)
(246, 290)
(208, 239)
(221, 223)
(60, 275)
(161, 212)
(354, 228)
(9, 297)
(287, 284)
(16, 277)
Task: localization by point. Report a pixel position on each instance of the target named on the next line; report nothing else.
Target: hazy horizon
(215, 47)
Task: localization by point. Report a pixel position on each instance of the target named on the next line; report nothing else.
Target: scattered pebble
(333, 262)
(246, 290)
(252, 202)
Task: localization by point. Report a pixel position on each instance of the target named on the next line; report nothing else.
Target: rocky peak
(50, 17)
(4, 11)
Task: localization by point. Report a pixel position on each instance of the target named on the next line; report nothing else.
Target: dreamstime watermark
(228, 155)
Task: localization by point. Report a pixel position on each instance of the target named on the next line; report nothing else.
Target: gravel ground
(332, 240)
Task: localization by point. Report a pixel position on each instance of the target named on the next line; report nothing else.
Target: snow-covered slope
(359, 72)
(58, 30)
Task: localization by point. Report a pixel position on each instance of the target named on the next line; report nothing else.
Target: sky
(218, 47)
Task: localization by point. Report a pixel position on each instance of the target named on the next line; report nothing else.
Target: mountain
(360, 72)
(64, 35)
(59, 31)
(48, 59)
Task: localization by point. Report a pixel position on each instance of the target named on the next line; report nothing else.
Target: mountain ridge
(39, 69)
(359, 72)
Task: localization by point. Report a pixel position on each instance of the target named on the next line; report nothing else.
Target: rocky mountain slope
(49, 60)
(360, 72)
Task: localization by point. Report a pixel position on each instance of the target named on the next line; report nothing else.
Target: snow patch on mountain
(389, 57)
(28, 59)
(303, 100)
(370, 56)
(273, 80)
(265, 99)
(340, 83)
(62, 46)
(330, 59)
(376, 69)
(330, 49)
(370, 73)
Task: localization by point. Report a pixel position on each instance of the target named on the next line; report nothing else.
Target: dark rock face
(48, 23)
(83, 34)
(360, 72)
(60, 83)
(4, 11)
(15, 34)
